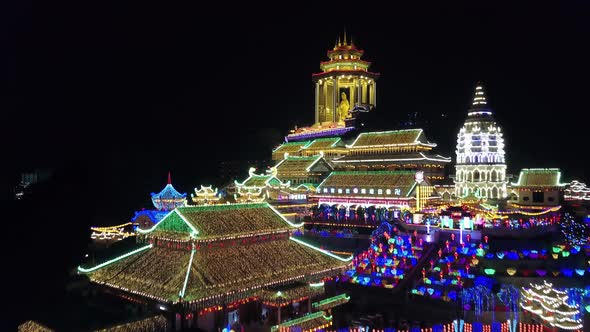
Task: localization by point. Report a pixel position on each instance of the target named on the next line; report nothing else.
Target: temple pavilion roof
(390, 183)
(323, 143)
(290, 147)
(257, 181)
(212, 222)
(391, 138)
(221, 271)
(539, 177)
(299, 166)
(397, 158)
(169, 198)
(32, 326)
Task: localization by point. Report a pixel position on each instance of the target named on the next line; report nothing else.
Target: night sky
(113, 95)
(130, 91)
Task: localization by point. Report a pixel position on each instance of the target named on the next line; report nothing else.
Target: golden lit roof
(402, 180)
(160, 272)
(296, 166)
(539, 177)
(391, 138)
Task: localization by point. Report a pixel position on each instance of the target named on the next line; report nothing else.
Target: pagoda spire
(479, 96)
(169, 178)
(345, 43)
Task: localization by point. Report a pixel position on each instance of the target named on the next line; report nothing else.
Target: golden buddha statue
(343, 107)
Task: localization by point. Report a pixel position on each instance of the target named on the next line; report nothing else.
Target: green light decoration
(587, 308)
(480, 252)
(490, 272)
(188, 271)
(556, 250)
(565, 253)
(83, 270)
(279, 294)
(173, 222)
(300, 320)
(322, 250)
(329, 300)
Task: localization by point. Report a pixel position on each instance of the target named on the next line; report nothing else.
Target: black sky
(129, 91)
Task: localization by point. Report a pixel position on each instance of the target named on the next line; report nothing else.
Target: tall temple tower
(480, 168)
(344, 83)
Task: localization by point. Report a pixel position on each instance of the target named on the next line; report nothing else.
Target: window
(397, 191)
(372, 191)
(363, 191)
(538, 197)
(551, 199)
(340, 190)
(347, 190)
(355, 190)
(526, 199)
(388, 191)
(332, 190)
(379, 191)
(326, 190)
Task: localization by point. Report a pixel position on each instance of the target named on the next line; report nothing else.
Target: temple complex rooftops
(539, 177)
(401, 157)
(262, 180)
(406, 137)
(300, 166)
(249, 248)
(205, 195)
(382, 183)
(169, 198)
(288, 147)
(216, 221)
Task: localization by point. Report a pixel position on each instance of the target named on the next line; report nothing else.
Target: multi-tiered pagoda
(480, 169)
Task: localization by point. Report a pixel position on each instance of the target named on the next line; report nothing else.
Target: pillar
(374, 94)
(279, 316)
(309, 304)
(359, 92)
(334, 99)
(317, 102)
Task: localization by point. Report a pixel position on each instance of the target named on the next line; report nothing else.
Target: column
(317, 102)
(359, 92)
(309, 304)
(279, 316)
(334, 99)
(374, 94)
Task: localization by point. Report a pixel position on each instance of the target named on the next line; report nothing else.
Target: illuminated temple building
(214, 259)
(537, 187)
(205, 196)
(480, 169)
(380, 189)
(164, 201)
(168, 198)
(344, 85)
(260, 187)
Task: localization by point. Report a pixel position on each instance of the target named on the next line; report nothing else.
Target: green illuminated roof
(391, 138)
(218, 221)
(164, 273)
(376, 180)
(539, 177)
(323, 143)
(290, 147)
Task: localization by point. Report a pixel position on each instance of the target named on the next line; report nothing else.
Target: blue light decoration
(567, 272)
(154, 215)
(168, 199)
